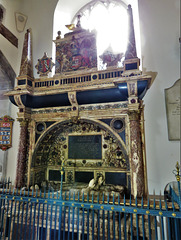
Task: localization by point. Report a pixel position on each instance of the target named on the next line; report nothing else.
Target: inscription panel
(172, 97)
(85, 147)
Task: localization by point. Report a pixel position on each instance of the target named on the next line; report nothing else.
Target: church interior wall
(160, 56)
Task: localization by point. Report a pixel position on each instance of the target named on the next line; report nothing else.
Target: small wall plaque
(172, 97)
(6, 126)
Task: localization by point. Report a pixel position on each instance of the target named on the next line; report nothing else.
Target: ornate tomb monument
(86, 121)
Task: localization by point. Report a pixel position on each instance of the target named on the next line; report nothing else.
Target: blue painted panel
(45, 101)
(101, 96)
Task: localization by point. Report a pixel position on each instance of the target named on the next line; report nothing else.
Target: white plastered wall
(159, 25)
(11, 53)
(159, 21)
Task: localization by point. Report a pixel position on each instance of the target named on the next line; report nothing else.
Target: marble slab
(172, 98)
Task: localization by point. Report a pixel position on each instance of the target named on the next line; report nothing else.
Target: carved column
(136, 156)
(32, 133)
(21, 160)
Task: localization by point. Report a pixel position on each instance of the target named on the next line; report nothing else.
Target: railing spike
(40, 192)
(173, 206)
(9, 190)
(119, 199)
(136, 201)
(130, 200)
(36, 193)
(148, 203)
(124, 200)
(108, 198)
(69, 195)
(83, 197)
(166, 205)
(98, 198)
(142, 203)
(87, 197)
(78, 196)
(160, 204)
(154, 203)
(6, 188)
(48, 193)
(57, 195)
(53, 193)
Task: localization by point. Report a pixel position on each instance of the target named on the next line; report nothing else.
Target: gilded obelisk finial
(26, 68)
(131, 48)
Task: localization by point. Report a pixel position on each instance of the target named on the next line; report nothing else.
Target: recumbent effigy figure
(97, 185)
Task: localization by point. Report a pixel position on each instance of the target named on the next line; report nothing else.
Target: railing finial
(176, 172)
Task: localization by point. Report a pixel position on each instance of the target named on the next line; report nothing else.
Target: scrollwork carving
(55, 145)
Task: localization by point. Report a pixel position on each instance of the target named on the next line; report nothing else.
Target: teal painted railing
(40, 215)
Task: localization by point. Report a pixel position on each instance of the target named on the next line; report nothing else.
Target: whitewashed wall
(160, 32)
(159, 25)
(12, 55)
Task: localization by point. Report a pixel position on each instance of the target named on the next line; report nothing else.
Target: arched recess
(88, 148)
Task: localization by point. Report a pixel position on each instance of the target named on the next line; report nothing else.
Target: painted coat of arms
(44, 65)
(76, 53)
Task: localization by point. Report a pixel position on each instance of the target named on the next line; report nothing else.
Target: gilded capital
(134, 115)
(23, 122)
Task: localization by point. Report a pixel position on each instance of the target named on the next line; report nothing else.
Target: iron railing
(41, 215)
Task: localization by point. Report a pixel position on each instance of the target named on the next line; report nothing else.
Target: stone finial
(59, 35)
(78, 25)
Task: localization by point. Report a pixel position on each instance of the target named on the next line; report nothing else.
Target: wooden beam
(8, 35)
